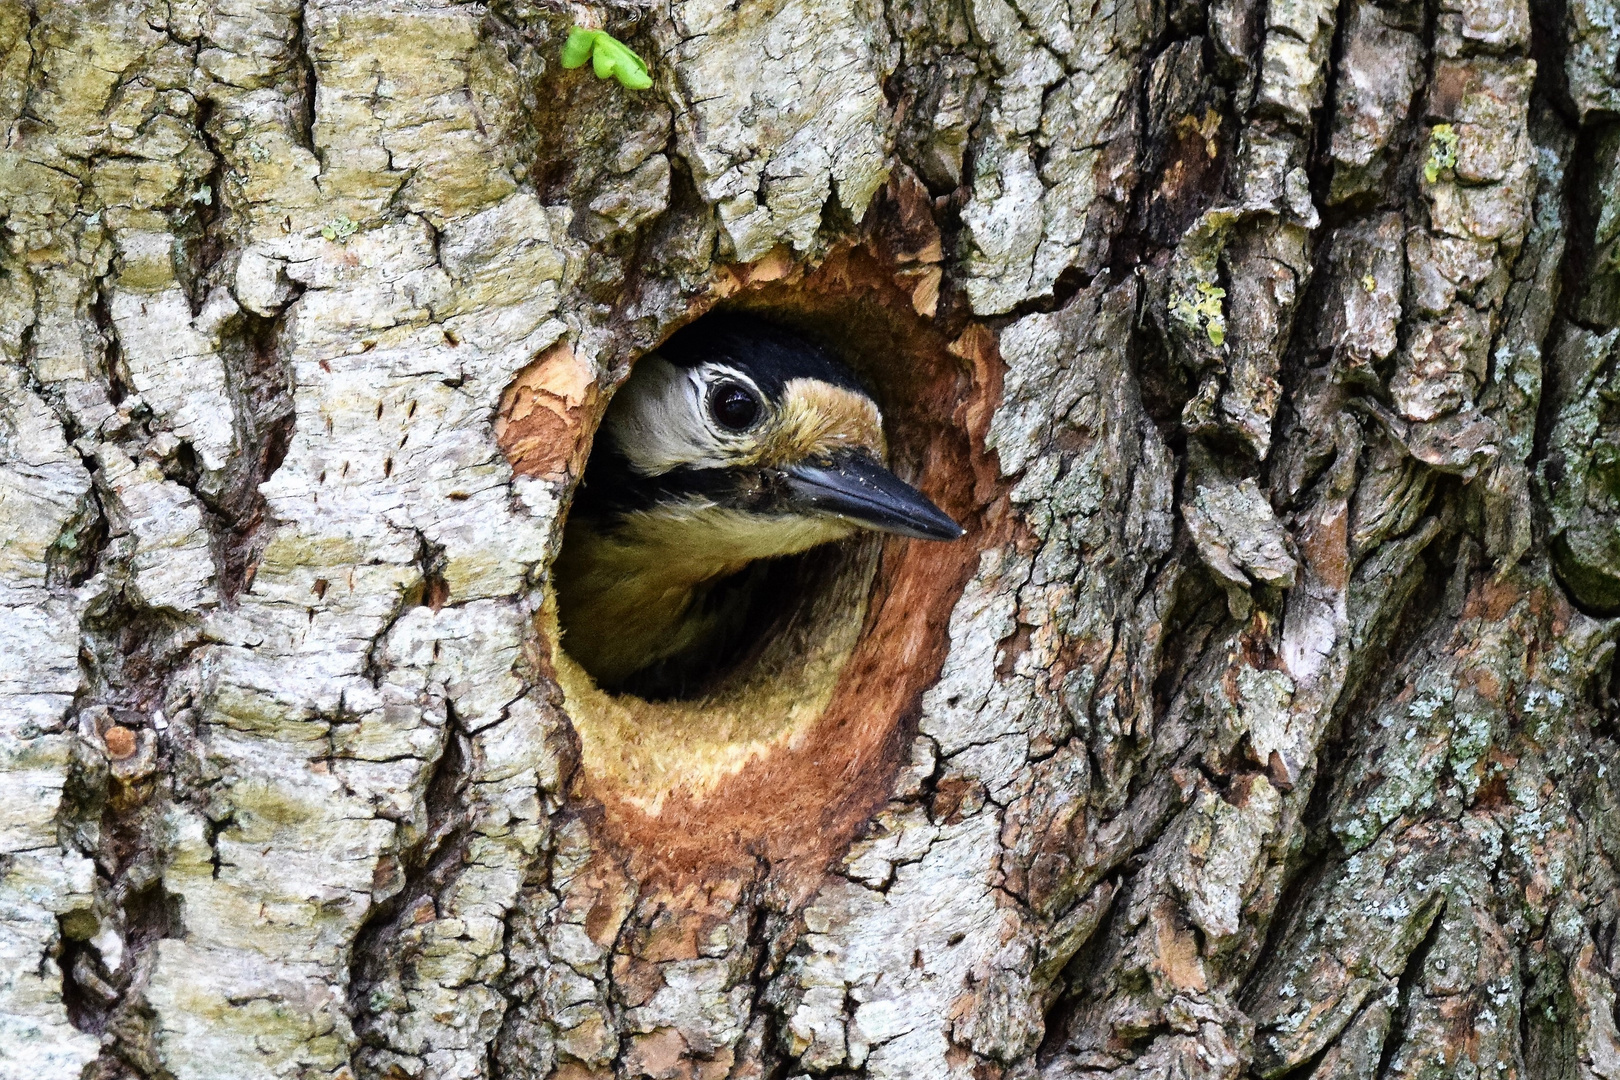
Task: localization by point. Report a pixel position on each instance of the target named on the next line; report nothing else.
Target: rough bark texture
(1263, 727)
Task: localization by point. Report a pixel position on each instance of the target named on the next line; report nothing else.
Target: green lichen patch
(1201, 309)
(1443, 143)
(339, 229)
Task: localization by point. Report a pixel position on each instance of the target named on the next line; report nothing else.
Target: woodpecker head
(737, 441)
(759, 437)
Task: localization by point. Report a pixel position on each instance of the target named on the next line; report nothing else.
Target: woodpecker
(736, 442)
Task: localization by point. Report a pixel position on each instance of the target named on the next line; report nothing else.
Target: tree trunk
(1262, 725)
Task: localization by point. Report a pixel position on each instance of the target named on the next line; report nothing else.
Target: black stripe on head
(769, 354)
(612, 489)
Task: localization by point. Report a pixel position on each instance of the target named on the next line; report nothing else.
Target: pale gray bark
(1263, 726)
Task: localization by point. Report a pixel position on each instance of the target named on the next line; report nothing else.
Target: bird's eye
(733, 406)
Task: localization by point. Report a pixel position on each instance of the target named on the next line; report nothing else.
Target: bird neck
(632, 590)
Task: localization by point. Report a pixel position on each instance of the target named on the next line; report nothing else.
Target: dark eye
(733, 406)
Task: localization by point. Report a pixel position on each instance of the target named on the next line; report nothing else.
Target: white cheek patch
(659, 418)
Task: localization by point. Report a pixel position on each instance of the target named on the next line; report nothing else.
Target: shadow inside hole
(792, 608)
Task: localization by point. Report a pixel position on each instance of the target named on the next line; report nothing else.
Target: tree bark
(1263, 726)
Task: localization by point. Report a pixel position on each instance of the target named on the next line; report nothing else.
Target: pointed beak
(857, 487)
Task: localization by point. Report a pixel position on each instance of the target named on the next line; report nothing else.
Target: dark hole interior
(774, 594)
(783, 599)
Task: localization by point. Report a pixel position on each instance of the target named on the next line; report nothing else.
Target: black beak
(857, 487)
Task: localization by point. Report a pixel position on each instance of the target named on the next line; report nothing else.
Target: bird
(735, 443)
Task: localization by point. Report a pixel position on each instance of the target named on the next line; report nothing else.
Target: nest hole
(795, 736)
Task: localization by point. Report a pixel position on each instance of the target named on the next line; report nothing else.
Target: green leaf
(623, 64)
(610, 58)
(577, 49)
